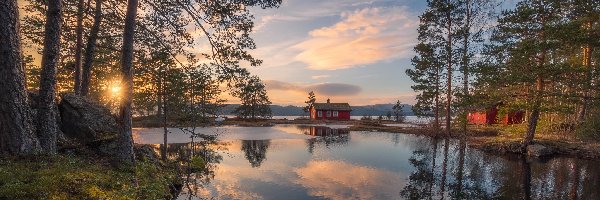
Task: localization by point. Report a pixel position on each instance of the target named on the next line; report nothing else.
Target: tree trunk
(449, 71)
(159, 97)
(466, 63)
(166, 132)
(587, 63)
(47, 129)
(535, 113)
(16, 130)
(127, 156)
(90, 50)
(539, 90)
(78, 46)
(163, 115)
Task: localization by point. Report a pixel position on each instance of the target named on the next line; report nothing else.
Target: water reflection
(469, 174)
(326, 136)
(371, 165)
(255, 151)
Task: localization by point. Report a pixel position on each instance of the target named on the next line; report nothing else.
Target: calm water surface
(320, 162)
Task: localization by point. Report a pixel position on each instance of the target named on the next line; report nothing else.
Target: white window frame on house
(319, 113)
(335, 114)
(328, 113)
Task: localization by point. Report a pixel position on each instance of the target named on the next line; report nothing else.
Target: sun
(115, 89)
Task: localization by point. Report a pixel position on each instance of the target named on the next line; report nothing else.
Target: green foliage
(398, 113)
(66, 177)
(197, 163)
(311, 100)
(590, 129)
(255, 102)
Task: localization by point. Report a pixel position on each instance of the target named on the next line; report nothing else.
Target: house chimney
(327, 100)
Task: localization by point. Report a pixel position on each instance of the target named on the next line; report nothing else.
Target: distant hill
(372, 110)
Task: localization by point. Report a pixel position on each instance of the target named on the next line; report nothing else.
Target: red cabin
(491, 117)
(330, 111)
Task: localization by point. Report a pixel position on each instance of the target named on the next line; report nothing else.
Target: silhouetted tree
(16, 129)
(47, 127)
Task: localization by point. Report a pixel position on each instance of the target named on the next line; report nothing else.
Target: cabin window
(335, 114)
(328, 113)
(320, 113)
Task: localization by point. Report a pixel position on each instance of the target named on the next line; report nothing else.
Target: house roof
(332, 106)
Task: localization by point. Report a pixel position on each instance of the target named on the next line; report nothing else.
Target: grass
(70, 177)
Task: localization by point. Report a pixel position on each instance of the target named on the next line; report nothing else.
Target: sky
(347, 51)
(354, 51)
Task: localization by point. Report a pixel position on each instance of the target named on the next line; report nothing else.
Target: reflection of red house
(491, 117)
(326, 131)
(330, 111)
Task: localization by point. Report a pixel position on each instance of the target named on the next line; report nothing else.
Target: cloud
(324, 89)
(320, 76)
(362, 37)
(335, 89)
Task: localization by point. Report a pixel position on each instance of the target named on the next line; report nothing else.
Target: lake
(330, 162)
(407, 119)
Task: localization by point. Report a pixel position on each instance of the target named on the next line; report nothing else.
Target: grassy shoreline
(81, 177)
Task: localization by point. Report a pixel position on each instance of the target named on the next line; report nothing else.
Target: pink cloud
(363, 37)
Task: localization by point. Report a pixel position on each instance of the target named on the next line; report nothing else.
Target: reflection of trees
(420, 181)
(469, 174)
(255, 151)
(197, 162)
(456, 188)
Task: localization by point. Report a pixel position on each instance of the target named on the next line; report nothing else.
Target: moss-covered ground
(72, 177)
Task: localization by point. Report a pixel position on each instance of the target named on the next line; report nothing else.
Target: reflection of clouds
(234, 177)
(341, 180)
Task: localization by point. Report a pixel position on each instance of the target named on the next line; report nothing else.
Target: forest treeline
(537, 56)
(146, 57)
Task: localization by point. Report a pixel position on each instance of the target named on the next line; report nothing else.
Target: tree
(126, 148)
(47, 128)
(525, 45)
(16, 135)
(398, 113)
(204, 93)
(475, 16)
(583, 19)
(78, 47)
(449, 22)
(311, 100)
(435, 59)
(255, 102)
(90, 50)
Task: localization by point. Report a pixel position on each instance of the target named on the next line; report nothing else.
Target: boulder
(89, 124)
(538, 150)
(146, 153)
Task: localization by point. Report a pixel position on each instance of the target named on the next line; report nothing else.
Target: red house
(330, 111)
(491, 117)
